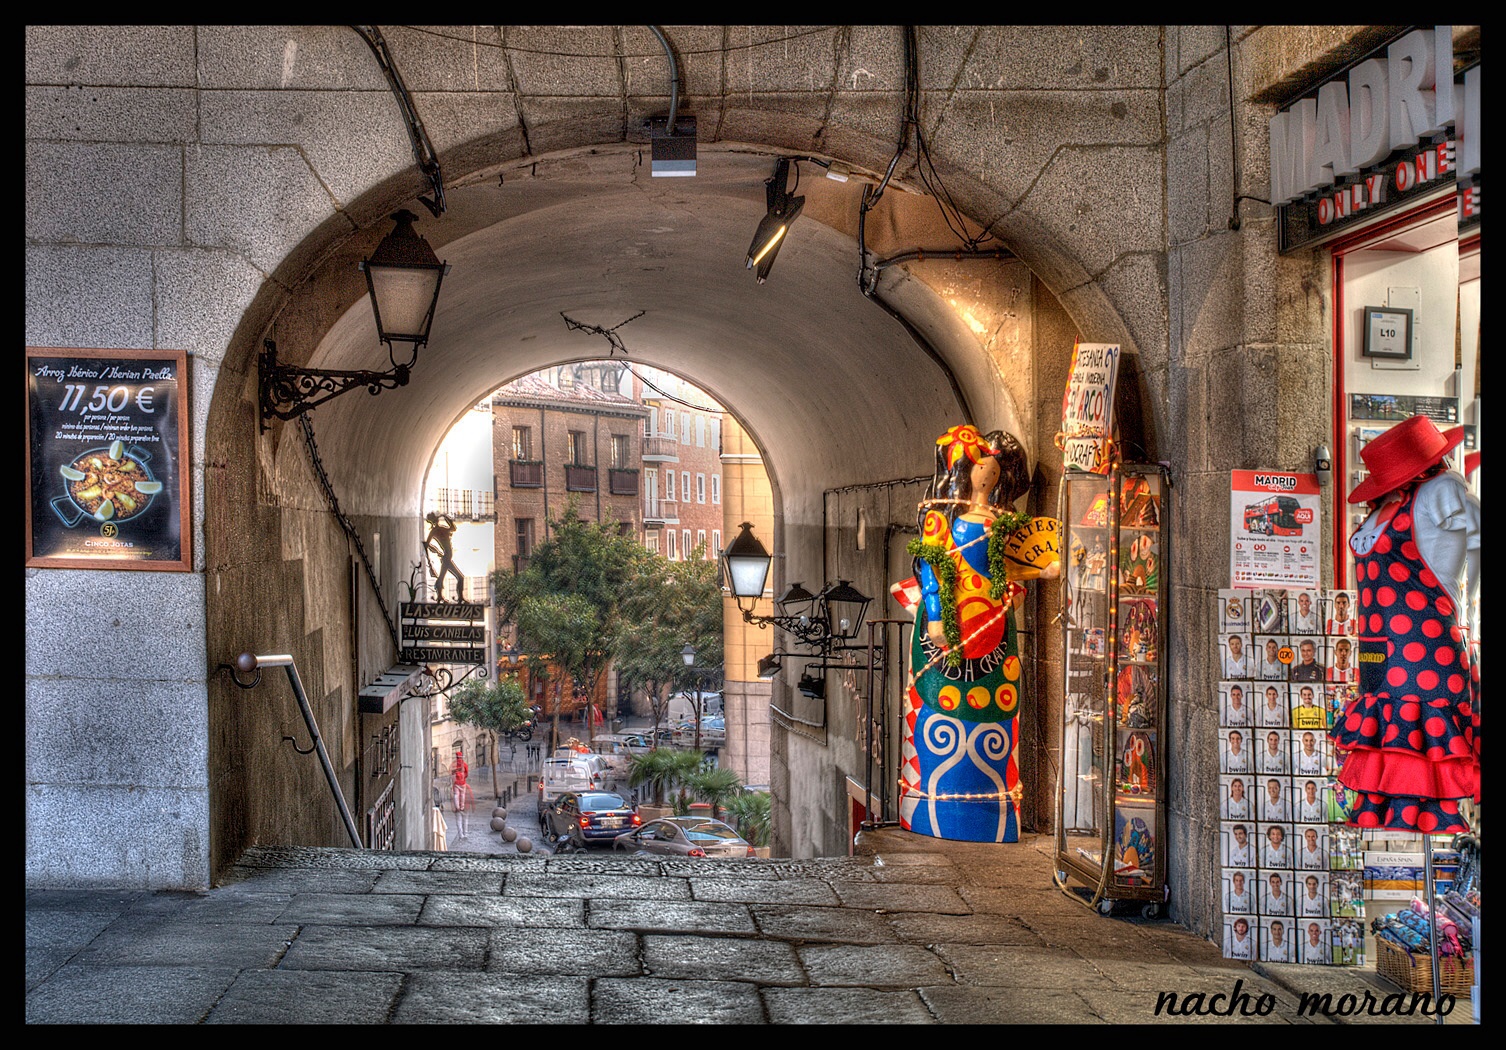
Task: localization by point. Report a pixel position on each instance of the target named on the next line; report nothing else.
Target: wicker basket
(1412, 971)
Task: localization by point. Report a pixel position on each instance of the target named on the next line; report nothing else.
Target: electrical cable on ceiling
(423, 149)
(665, 393)
(610, 334)
(771, 42)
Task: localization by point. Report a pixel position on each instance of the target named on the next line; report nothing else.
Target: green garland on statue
(941, 563)
(937, 557)
(1004, 526)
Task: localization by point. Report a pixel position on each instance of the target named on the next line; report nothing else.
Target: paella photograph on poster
(107, 473)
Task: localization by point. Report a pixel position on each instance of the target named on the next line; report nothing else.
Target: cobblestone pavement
(912, 930)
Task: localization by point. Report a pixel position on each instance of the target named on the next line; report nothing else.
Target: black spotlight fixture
(812, 686)
(782, 211)
(769, 666)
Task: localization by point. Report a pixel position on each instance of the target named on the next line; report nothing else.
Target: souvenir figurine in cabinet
(1139, 565)
(1134, 843)
(1137, 765)
(1139, 506)
(1096, 566)
(1138, 634)
(1136, 695)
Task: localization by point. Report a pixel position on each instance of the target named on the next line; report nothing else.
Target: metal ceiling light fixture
(672, 145)
(403, 276)
(783, 209)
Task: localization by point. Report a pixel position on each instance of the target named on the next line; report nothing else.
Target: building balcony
(661, 449)
(622, 482)
(525, 473)
(579, 478)
(659, 512)
(464, 504)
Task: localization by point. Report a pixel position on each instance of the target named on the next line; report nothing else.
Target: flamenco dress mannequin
(1410, 738)
(961, 776)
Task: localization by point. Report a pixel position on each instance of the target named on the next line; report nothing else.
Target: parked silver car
(685, 837)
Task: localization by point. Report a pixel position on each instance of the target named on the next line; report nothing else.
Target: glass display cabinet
(1111, 799)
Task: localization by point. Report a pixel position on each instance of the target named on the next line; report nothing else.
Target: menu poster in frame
(107, 470)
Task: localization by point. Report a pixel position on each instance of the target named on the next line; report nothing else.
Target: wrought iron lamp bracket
(809, 631)
(288, 391)
(438, 681)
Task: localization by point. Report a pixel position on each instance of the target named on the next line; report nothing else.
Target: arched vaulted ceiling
(831, 386)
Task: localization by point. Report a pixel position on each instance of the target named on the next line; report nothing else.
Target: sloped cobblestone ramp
(915, 931)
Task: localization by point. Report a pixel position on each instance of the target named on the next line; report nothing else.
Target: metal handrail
(247, 663)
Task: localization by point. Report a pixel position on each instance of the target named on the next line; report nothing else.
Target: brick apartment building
(682, 469)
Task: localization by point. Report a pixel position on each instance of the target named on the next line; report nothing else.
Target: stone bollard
(509, 834)
(499, 824)
(499, 811)
(525, 845)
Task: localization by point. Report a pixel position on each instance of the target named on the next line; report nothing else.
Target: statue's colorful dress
(961, 777)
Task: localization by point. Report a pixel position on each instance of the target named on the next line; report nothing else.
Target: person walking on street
(462, 793)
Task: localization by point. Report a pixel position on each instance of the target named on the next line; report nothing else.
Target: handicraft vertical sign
(107, 470)
(1088, 408)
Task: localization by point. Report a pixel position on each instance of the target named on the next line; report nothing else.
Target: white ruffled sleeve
(1446, 523)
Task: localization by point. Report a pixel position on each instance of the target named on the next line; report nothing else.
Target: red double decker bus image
(1276, 516)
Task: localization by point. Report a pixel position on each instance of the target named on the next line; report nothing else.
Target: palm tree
(751, 815)
(716, 786)
(662, 770)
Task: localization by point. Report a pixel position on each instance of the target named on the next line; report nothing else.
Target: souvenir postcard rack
(1111, 799)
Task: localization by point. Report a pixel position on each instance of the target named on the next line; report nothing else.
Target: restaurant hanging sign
(1374, 139)
(107, 470)
(443, 633)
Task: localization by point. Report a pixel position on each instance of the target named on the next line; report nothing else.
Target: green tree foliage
(568, 603)
(496, 708)
(715, 786)
(665, 769)
(672, 604)
(752, 816)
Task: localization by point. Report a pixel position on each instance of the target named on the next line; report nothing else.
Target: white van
(617, 751)
(567, 774)
(681, 708)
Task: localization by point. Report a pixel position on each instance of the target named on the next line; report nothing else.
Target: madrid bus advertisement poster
(1275, 525)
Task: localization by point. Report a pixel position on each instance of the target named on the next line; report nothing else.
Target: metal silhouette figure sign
(440, 541)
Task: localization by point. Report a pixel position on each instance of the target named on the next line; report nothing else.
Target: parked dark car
(684, 837)
(587, 817)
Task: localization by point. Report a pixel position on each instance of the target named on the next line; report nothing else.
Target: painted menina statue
(960, 777)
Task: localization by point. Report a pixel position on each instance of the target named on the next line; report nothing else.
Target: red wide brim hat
(1401, 453)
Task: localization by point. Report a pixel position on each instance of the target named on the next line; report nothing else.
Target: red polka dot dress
(1409, 737)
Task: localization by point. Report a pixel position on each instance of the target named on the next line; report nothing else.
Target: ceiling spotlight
(769, 666)
(782, 211)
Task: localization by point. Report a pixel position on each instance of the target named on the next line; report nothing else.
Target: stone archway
(835, 392)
